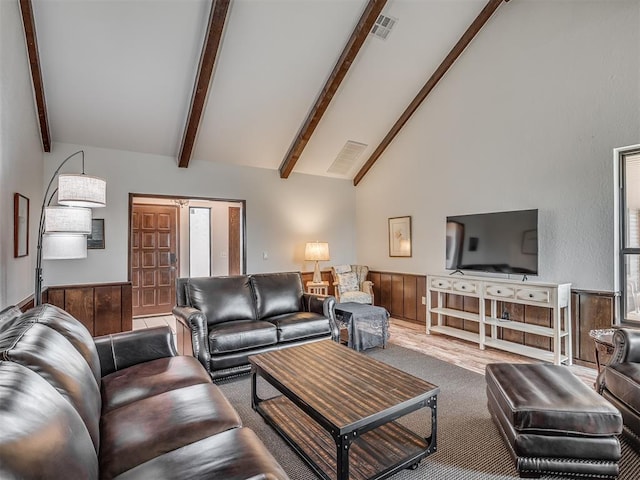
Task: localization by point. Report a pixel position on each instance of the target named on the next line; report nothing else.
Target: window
(199, 242)
(629, 231)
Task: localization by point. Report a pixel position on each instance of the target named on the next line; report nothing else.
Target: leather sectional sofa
(231, 318)
(619, 380)
(118, 407)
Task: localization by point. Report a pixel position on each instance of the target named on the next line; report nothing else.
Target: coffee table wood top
(344, 387)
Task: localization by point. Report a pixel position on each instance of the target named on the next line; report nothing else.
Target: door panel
(154, 258)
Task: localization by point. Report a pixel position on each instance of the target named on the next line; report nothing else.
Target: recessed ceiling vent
(347, 157)
(383, 26)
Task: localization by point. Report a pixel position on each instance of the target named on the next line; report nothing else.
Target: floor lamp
(63, 229)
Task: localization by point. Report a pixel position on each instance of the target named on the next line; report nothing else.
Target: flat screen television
(499, 242)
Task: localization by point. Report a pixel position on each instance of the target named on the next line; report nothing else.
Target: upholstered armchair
(351, 284)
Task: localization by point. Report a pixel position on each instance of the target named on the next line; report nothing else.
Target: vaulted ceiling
(290, 79)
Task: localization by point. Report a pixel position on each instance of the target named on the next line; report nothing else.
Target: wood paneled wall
(401, 294)
(103, 308)
(590, 310)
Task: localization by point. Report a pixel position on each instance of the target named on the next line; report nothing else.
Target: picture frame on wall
(96, 239)
(400, 237)
(20, 225)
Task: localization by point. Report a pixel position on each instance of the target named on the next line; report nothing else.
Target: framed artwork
(20, 225)
(400, 237)
(96, 239)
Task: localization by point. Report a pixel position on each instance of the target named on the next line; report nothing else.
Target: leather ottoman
(552, 422)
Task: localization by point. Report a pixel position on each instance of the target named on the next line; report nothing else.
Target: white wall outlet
(424, 300)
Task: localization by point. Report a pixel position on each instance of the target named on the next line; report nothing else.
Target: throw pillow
(348, 282)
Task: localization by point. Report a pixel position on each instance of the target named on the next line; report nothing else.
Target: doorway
(171, 237)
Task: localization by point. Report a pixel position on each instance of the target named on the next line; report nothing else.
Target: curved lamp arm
(37, 295)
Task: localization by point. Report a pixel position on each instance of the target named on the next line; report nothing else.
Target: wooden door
(154, 258)
(234, 241)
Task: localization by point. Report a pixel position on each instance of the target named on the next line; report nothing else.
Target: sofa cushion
(222, 299)
(150, 378)
(277, 293)
(355, 297)
(298, 325)
(623, 380)
(42, 435)
(49, 354)
(148, 428)
(236, 454)
(240, 335)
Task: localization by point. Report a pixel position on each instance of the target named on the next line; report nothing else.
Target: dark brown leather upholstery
(552, 422)
(151, 410)
(231, 318)
(233, 448)
(619, 381)
(41, 433)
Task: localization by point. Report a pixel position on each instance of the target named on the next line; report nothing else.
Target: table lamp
(317, 252)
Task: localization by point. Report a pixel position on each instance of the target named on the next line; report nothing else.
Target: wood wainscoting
(401, 294)
(103, 308)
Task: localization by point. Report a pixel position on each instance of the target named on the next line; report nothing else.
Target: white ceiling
(120, 73)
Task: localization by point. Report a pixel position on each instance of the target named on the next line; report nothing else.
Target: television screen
(500, 242)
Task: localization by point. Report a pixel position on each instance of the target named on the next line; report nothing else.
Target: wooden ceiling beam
(449, 60)
(28, 23)
(351, 49)
(213, 38)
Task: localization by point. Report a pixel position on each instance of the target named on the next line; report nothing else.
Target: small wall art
(400, 237)
(96, 239)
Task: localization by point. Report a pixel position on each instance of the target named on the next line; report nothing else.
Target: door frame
(243, 220)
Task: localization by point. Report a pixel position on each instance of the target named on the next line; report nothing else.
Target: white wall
(20, 155)
(527, 118)
(281, 215)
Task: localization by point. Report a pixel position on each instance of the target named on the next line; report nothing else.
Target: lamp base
(317, 277)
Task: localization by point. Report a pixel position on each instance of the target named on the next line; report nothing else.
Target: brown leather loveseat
(123, 406)
(231, 318)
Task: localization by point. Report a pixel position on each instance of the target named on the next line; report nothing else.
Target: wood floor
(464, 354)
(410, 335)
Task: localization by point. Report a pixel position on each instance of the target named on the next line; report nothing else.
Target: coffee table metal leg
(342, 446)
(432, 403)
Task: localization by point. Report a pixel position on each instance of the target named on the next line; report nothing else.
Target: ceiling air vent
(347, 157)
(383, 26)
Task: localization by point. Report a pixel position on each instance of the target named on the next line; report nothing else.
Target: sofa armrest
(324, 305)
(121, 350)
(196, 322)
(627, 346)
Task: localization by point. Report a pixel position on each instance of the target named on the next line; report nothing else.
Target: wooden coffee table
(337, 409)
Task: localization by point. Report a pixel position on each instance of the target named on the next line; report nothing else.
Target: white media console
(556, 297)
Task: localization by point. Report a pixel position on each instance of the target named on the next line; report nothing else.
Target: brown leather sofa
(120, 407)
(619, 380)
(231, 318)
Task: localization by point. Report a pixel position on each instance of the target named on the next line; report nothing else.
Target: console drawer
(465, 286)
(441, 283)
(500, 291)
(533, 295)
